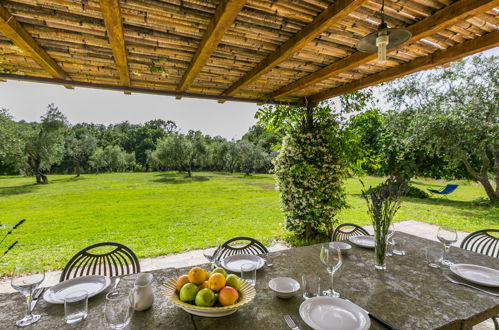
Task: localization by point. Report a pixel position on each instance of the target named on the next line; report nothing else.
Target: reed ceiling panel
(161, 38)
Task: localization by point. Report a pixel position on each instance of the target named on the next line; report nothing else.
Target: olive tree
(80, 143)
(181, 152)
(44, 143)
(455, 115)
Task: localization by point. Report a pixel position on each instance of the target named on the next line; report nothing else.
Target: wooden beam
(225, 15)
(111, 13)
(16, 33)
(444, 18)
(339, 10)
(142, 90)
(438, 58)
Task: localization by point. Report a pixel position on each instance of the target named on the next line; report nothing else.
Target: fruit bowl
(246, 294)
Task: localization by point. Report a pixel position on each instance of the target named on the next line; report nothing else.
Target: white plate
(341, 245)
(93, 284)
(477, 274)
(329, 313)
(234, 263)
(363, 241)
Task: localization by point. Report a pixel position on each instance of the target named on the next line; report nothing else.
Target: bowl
(344, 247)
(246, 294)
(284, 287)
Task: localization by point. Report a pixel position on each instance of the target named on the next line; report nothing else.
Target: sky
(28, 101)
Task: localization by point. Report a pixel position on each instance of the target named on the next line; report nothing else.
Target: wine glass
(331, 258)
(447, 237)
(210, 253)
(389, 240)
(26, 277)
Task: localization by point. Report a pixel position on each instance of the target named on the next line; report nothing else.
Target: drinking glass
(119, 308)
(434, 256)
(447, 237)
(76, 306)
(311, 285)
(26, 284)
(248, 273)
(398, 246)
(331, 258)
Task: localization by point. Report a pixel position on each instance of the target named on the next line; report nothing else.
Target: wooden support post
(310, 115)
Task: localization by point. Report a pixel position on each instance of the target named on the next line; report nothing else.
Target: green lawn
(161, 213)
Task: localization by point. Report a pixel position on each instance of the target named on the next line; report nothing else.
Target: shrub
(416, 193)
(310, 172)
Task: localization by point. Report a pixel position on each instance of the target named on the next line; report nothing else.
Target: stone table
(408, 295)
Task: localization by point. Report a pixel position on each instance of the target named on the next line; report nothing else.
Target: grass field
(161, 213)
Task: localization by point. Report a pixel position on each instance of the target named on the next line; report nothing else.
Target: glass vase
(379, 251)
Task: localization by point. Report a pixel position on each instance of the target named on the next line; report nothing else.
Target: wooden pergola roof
(247, 50)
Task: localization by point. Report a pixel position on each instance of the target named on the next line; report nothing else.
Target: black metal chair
(482, 241)
(120, 260)
(347, 230)
(239, 245)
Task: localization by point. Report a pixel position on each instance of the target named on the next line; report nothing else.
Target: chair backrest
(240, 245)
(449, 188)
(483, 241)
(347, 230)
(116, 260)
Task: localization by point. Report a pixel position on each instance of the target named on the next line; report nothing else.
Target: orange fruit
(204, 285)
(216, 281)
(184, 279)
(197, 275)
(228, 296)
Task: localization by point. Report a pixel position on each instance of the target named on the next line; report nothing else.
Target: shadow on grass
(251, 176)
(17, 190)
(427, 184)
(444, 202)
(171, 178)
(71, 179)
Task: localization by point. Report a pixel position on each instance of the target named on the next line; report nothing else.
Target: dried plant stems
(9, 233)
(383, 202)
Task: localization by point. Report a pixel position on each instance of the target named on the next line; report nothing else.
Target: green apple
(205, 298)
(233, 281)
(188, 292)
(221, 271)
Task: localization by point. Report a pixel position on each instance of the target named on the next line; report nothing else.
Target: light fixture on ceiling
(384, 38)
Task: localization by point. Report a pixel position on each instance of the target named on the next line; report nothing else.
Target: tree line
(52, 145)
(444, 124)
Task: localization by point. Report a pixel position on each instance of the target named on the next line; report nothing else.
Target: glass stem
(332, 282)
(446, 250)
(28, 305)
